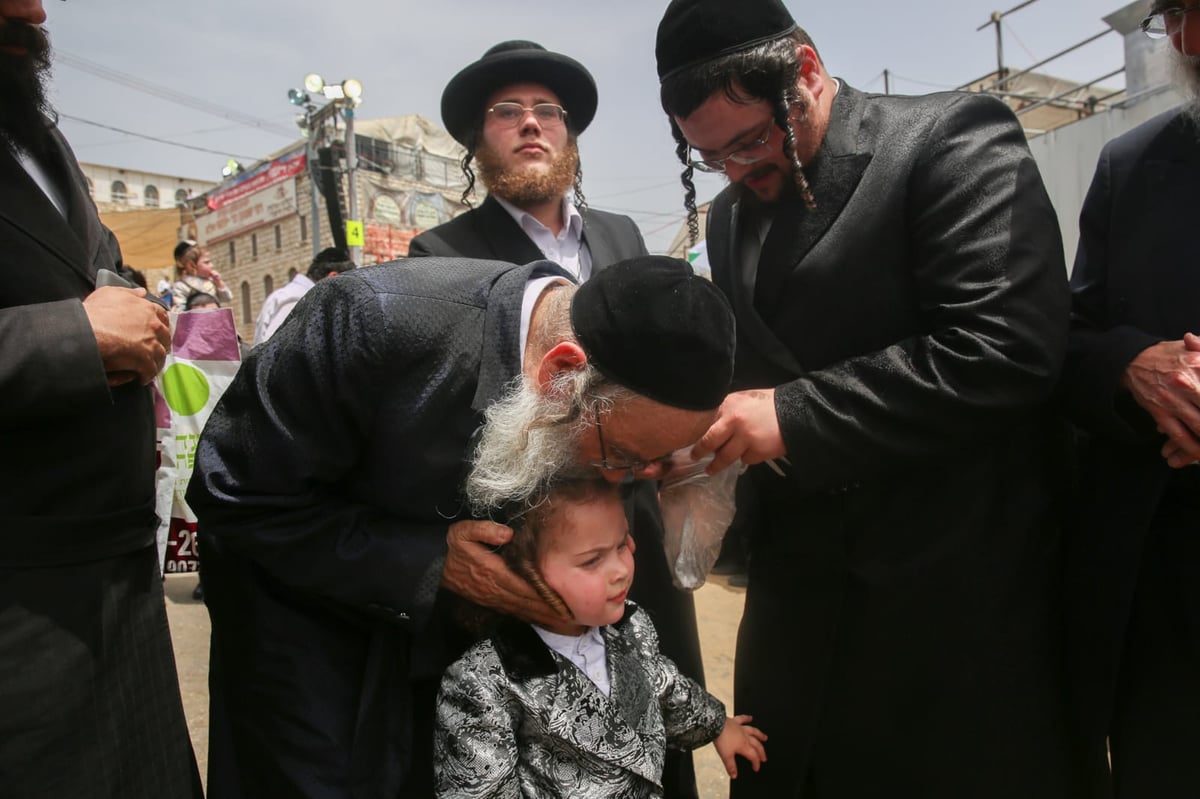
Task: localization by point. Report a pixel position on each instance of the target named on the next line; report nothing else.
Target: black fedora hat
(517, 61)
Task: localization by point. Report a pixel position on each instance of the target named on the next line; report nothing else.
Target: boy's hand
(739, 738)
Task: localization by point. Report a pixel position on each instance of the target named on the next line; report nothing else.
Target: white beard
(523, 446)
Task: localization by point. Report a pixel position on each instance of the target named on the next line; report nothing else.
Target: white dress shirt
(567, 249)
(586, 651)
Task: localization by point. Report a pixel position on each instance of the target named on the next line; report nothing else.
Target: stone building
(259, 224)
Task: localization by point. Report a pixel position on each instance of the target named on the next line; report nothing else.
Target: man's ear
(810, 70)
(565, 355)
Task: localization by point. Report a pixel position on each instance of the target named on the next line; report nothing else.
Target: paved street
(718, 606)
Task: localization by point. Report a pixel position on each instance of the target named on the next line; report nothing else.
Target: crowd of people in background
(428, 501)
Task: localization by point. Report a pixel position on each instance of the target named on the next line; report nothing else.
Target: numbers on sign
(187, 544)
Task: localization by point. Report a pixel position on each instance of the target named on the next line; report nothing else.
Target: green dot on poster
(185, 389)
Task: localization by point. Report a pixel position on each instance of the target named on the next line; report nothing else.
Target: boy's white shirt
(587, 651)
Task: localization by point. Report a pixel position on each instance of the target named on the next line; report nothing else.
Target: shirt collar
(526, 220)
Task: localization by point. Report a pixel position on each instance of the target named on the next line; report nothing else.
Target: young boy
(588, 707)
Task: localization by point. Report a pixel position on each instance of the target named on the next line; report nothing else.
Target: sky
(214, 75)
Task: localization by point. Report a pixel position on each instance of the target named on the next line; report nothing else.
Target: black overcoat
(324, 485)
(89, 696)
(901, 632)
(1134, 284)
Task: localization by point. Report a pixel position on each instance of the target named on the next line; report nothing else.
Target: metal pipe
(1027, 70)
(1049, 100)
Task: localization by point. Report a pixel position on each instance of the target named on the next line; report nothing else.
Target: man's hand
(746, 429)
(739, 738)
(1164, 379)
(132, 333)
(475, 571)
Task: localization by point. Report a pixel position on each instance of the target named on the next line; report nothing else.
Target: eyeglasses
(1166, 22)
(745, 155)
(620, 466)
(509, 115)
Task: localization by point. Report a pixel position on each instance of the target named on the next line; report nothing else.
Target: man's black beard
(23, 107)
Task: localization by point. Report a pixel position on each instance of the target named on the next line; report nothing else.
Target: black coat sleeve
(983, 248)
(1101, 347)
(273, 473)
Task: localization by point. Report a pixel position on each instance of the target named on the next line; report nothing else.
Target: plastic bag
(697, 510)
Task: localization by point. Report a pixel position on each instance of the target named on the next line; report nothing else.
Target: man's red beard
(525, 187)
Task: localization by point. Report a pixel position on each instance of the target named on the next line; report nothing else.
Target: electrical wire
(221, 153)
(170, 95)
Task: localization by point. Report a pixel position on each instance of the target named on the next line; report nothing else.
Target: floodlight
(314, 83)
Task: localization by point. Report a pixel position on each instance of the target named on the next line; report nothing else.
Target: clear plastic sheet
(697, 510)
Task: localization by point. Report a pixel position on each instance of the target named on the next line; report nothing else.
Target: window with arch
(118, 192)
(253, 246)
(246, 303)
(268, 285)
(278, 238)
(181, 196)
(150, 196)
(291, 274)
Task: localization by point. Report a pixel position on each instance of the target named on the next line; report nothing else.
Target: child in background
(195, 274)
(585, 709)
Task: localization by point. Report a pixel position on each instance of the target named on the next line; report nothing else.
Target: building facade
(259, 226)
(117, 189)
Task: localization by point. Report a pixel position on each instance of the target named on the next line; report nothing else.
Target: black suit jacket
(81, 598)
(489, 232)
(1135, 283)
(58, 417)
(903, 576)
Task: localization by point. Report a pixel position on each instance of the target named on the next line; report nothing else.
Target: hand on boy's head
(474, 570)
(739, 738)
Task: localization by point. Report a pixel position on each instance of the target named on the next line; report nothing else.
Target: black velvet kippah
(655, 327)
(694, 31)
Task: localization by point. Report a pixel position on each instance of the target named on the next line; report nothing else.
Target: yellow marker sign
(354, 234)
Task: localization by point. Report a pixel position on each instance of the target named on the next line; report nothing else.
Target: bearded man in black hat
(518, 111)
(328, 490)
(89, 694)
(897, 276)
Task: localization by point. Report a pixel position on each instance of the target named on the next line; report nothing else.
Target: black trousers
(1155, 735)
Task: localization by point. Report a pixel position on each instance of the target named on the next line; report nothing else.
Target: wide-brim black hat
(517, 61)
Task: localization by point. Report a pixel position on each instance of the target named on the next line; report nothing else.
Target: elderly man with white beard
(328, 490)
(1131, 383)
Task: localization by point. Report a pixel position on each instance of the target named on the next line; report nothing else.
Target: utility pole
(351, 180)
(995, 19)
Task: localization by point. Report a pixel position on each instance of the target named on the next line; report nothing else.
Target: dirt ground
(718, 608)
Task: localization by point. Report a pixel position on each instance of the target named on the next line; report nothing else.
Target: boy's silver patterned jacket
(516, 719)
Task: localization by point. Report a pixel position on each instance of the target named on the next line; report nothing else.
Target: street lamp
(304, 122)
(343, 97)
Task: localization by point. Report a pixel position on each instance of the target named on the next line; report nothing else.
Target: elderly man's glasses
(610, 465)
(509, 115)
(1166, 22)
(745, 155)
